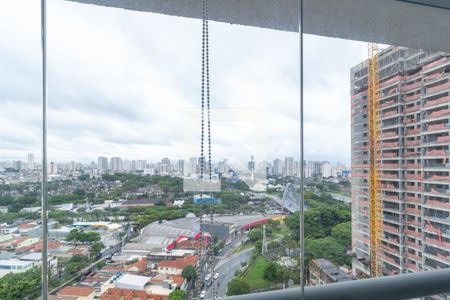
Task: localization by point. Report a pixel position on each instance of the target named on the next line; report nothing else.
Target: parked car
(203, 294)
(208, 277)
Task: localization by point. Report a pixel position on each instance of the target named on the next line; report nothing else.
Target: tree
(177, 295)
(319, 220)
(76, 263)
(238, 286)
(271, 271)
(255, 234)
(81, 237)
(25, 285)
(327, 248)
(96, 248)
(342, 233)
(217, 247)
(189, 273)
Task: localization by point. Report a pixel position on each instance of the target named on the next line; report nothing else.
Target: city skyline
(134, 100)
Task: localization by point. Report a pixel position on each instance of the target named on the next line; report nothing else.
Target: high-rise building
(52, 168)
(141, 165)
(309, 168)
(180, 167)
(414, 162)
(127, 165)
(289, 168)
(325, 169)
(30, 161)
(164, 166)
(193, 165)
(102, 165)
(115, 164)
(277, 167)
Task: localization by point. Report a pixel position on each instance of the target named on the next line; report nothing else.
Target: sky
(124, 83)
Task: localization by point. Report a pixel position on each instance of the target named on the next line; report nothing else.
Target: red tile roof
(177, 279)
(125, 294)
(74, 290)
(190, 244)
(179, 263)
(112, 268)
(26, 226)
(38, 246)
(139, 266)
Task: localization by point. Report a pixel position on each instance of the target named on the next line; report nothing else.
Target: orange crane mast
(373, 105)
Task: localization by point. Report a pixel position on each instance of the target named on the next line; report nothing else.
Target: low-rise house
(78, 292)
(175, 267)
(322, 271)
(14, 266)
(126, 294)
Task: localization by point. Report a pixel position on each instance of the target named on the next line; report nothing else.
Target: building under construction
(412, 163)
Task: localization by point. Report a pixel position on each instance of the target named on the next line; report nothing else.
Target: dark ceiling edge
(427, 4)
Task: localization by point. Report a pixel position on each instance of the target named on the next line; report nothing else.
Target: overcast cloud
(127, 84)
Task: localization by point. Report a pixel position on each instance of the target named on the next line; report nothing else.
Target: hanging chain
(207, 88)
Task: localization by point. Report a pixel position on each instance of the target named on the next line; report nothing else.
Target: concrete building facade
(414, 162)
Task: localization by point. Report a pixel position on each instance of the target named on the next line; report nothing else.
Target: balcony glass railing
(209, 150)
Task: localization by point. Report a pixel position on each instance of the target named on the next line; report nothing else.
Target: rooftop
(75, 290)
(179, 263)
(133, 280)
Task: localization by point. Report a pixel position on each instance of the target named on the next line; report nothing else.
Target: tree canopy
(189, 273)
(177, 295)
(83, 237)
(238, 286)
(25, 285)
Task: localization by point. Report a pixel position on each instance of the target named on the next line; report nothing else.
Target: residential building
(176, 266)
(30, 161)
(277, 167)
(102, 166)
(414, 161)
(326, 169)
(322, 271)
(77, 292)
(115, 164)
(289, 168)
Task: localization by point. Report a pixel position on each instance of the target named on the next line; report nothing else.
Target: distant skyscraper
(193, 165)
(277, 167)
(317, 170)
(251, 164)
(289, 167)
(140, 165)
(116, 164)
(325, 169)
(222, 167)
(102, 166)
(308, 169)
(53, 168)
(127, 165)
(30, 161)
(180, 167)
(164, 166)
(18, 165)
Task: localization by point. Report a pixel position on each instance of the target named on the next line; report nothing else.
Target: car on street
(203, 294)
(216, 276)
(208, 277)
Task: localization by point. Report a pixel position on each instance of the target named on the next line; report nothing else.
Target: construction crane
(373, 105)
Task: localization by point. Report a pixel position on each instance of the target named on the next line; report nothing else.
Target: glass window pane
(20, 150)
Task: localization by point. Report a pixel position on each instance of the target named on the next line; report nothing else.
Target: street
(226, 265)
